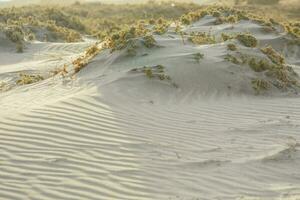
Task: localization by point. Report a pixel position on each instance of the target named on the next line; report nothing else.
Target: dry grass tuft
(26, 79)
(274, 56)
(202, 38)
(247, 39)
(231, 47)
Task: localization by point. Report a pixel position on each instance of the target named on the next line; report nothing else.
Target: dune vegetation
(131, 27)
(69, 23)
(150, 101)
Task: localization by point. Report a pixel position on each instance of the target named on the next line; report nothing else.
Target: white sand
(113, 134)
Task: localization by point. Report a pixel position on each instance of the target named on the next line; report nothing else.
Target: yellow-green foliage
(278, 75)
(19, 48)
(26, 79)
(62, 71)
(161, 26)
(79, 64)
(92, 18)
(31, 36)
(233, 59)
(149, 41)
(274, 56)
(265, 2)
(231, 47)
(226, 37)
(153, 72)
(105, 19)
(202, 38)
(247, 39)
(216, 13)
(14, 34)
(20, 23)
(4, 86)
(192, 17)
(259, 65)
(198, 57)
(148, 72)
(260, 85)
(92, 50)
(63, 33)
(128, 38)
(83, 61)
(229, 19)
(293, 29)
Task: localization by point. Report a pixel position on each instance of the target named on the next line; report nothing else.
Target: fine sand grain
(112, 133)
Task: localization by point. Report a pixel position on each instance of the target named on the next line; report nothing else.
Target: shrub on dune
(129, 37)
(153, 72)
(259, 65)
(26, 79)
(20, 47)
(198, 57)
(148, 72)
(202, 38)
(274, 56)
(83, 60)
(265, 2)
(276, 74)
(226, 37)
(16, 35)
(247, 39)
(231, 47)
(260, 85)
(149, 41)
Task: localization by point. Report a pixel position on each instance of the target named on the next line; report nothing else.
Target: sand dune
(109, 132)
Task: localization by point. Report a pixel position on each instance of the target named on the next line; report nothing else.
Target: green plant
(92, 50)
(128, 37)
(14, 34)
(149, 41)
(4, 86)
(79, 64)
(274, 56)
(31, 37)
(260, 85)
(186, 20)
(226, 37)
(20, 48)
(231, 19)
(198, 57)
(153, 72)
(231, 47)
(148, 72)
(26, 79)
(161, 28)
(264, 2)
(131, 49)
(216, 14)
(232, 59)
(83, 60)
(160, 68)
(202, 38)
(259, 65)
(247, 39)
(181, 33)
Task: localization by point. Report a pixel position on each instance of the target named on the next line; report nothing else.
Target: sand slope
(108, 133)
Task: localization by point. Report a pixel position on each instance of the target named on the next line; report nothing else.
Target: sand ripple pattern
(89, 148)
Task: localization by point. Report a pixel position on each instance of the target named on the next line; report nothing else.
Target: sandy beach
(109, 132)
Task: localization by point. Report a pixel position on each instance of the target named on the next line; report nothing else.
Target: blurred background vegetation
(52, 21)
